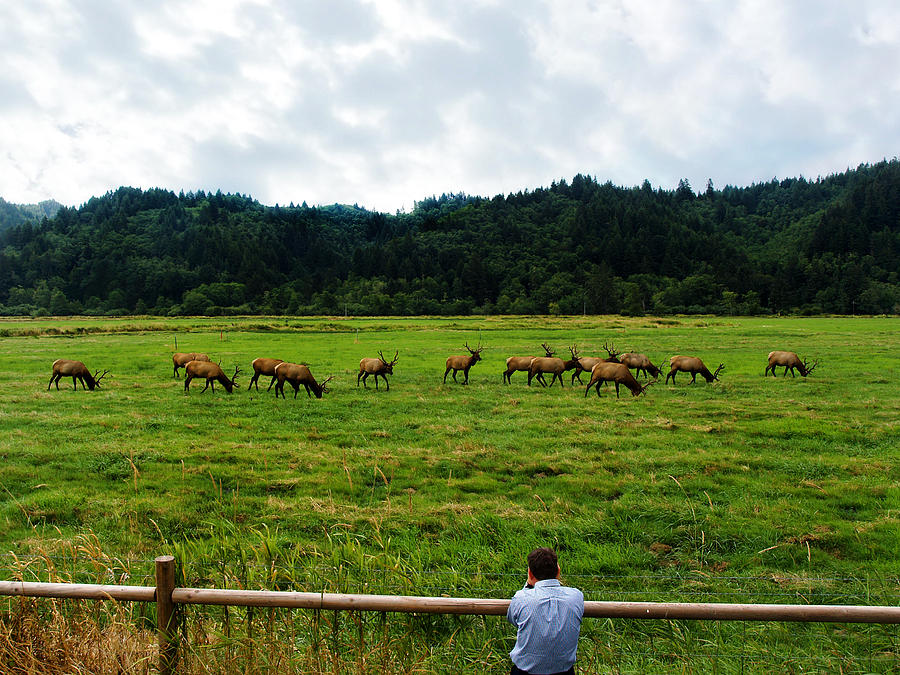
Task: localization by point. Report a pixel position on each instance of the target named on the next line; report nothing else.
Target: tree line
(829, 245)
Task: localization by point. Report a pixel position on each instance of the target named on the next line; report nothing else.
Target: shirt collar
(547, 582)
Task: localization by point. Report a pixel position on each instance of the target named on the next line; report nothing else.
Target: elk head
(389, 365)
(613, 353)
(476, 353)
(547, 350)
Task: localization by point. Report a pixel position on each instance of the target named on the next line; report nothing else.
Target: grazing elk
(211, 372)
(180, 360)
(694, 366)
(790, 361)
(551, 364)
(587, 363)
(517, 363)
(616, 373)
(297, 374)
(380, 366)
(641, 364)
(463, 363)
(263, 366)
(77, 371)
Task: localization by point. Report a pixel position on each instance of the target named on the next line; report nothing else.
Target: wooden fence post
(165, 614)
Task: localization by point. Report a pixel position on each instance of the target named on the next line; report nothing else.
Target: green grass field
(751, 489)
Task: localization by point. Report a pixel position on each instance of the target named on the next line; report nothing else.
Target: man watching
(548, 618)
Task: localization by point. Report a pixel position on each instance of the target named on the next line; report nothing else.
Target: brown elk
(587, 363)
(517, 363)
(263, 366)
(790, 361)
(553, 365)
(641, 364)
(380, 366)
(694, 366)
(180, 360)
(463, 363)
(211, 372)
(297, 374)
(617, 373)
(77, 371)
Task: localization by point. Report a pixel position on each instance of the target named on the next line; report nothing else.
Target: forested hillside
(16, 214)
(795, 245)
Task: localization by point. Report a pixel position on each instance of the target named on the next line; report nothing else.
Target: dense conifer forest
(830, 245)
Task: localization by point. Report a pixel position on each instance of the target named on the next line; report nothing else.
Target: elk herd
(615, 368)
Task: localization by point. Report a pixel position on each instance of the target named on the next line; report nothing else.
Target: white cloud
(383, 103)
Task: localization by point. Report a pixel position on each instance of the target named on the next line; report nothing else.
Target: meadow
(750, 489)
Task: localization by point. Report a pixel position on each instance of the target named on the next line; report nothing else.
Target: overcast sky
(384, 103)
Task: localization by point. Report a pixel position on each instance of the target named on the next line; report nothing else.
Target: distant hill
(794, 245)
(16, 214)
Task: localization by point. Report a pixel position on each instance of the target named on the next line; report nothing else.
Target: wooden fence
(167, 597)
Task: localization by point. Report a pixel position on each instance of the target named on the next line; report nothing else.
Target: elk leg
(617, 390)
(445, 375)
(271, 383)
(187, 382)
(466, 373)
(376, 381)
(386, 383)
(308, 394)
(693, 378)
(205, 388)
(454, 377)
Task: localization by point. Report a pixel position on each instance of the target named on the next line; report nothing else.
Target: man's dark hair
(543, 563)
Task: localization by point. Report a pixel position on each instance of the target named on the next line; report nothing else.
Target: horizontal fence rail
(167, 597)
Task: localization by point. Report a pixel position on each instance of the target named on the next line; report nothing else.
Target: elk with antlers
(586, 363)
(77, 371)
(463, 363)
(180, 360)
(297, 374)
(380, 366)
(211, 372)
(616, 373)
(517, 363)
(641, 364)
(790, 361)
(692, 365)
(263, 366)
(551, 365)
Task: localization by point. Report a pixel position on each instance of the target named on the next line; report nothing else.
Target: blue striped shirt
(548, 618)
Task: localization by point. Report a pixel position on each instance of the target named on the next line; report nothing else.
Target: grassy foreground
(747, 490)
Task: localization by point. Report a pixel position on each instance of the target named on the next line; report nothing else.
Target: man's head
(543, 564)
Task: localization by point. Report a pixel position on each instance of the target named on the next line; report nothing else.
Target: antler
(646, 387)
(574, 351)
(97, 379)
(612, 351)
(389, 363)
(324, 382)
(718, 370)
(809, 368)
(236, 371)
(477, 349)
(547, 349)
